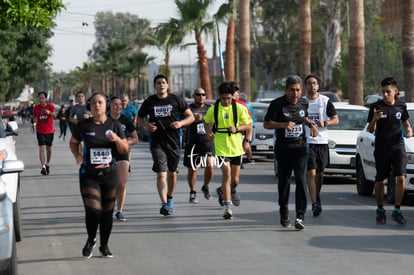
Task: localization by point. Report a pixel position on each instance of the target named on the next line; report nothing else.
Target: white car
(12, 180)
(365, 162)
(8, 258)
(343, 138)
(262, 144)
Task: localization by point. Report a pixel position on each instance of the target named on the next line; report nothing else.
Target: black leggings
(99, 199)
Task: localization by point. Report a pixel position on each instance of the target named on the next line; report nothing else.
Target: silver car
(262, 144)
(8, 258)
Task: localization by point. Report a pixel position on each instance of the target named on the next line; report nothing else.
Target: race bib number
(200, 129)
(163, 111)
(101, 155)
(295, 132)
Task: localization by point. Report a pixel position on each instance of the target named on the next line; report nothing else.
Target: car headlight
(410, 157)
(331, 144)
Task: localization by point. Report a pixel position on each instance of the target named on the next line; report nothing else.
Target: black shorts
(386, 162)
(45, 139)
(106, 178)
(193, 153)
(233, 160)
(318, 157)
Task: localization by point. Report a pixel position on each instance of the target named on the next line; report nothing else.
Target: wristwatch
(325, 123)
(248, 140)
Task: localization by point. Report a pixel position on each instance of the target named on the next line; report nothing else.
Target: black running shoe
(193, 198)
(105, 252)
(381, 218)
(284, 219)
(43, 171)
(316, 209)
(119, 216)
(299, 224)
(206, 192)
(87, 249)
(47, 169)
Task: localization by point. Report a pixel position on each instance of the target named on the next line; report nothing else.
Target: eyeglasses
(198, 94)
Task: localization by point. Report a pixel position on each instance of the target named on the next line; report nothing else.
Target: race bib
(101, 155)
(200, 129)
(295, 132)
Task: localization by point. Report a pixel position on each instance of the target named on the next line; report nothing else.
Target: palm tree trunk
(229, 59)
(244, 47)
(356, 52)
(203, 67)
(408, 48)
(305, 37)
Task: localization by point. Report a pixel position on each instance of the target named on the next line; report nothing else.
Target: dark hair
(226, 88)
(292, 79)
(313, 76)
(160, 76)
(114, 97)
(389, 81)
(80, 92)
(88, 102)
(42, 92)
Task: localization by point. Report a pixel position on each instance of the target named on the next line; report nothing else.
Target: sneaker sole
(228, 216)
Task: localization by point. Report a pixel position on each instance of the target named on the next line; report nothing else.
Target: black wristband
(325, 123)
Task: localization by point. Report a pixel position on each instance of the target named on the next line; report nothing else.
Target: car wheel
(16, 214)
(364, 186)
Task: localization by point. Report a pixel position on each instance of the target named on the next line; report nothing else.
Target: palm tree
(137, 61)
(305, 37)
(408, 48)
(195, 17)
(166, 37)
(229, 60)
(356, 51)
(244, 46)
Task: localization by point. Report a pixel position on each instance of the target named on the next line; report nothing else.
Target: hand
(152, 127)
(378, 114)
(290, 125)
(409, 132)
(175, 125)
(313, 131)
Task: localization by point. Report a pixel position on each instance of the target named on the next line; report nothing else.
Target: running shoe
(43, 171)
(235, 198)
(119, 216)
(299, 224)
(398, 217)
(381, 218)
(105, 252)
(206, 192)
(284, 219)
(220, 196)
(170, 206)
(164, 210)
(47, 169)
(316, 209)
(193, 198)
(87, 249)
(228, 214)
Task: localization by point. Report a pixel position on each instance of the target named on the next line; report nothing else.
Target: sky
(73, 38)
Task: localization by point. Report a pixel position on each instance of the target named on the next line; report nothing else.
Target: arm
(407, 125)
(74, 148)
(188, 119)
(133, 139)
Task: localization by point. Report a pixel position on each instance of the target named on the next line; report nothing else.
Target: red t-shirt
(44, 123)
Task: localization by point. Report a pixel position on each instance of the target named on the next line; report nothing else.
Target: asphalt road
(196, 239)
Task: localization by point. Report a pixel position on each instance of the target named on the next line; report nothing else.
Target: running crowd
(104, 130)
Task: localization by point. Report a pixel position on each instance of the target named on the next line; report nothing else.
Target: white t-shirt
(317, 111)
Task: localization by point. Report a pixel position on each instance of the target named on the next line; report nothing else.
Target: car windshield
(259, 113)
(350, 119)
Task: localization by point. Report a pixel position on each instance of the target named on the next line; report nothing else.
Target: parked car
(343, 138)
(8, 258)
(262, 142)
(12, 180)
(365, 162)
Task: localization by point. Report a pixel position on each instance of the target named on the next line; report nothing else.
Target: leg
(208, 171)
(399, 190)
(312, 186)
(42, 153)
(48, 154)
(122, 169)
(162, 186)
(300, 165)
(191, 179)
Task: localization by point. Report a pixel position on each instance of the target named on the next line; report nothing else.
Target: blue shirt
(130, 111)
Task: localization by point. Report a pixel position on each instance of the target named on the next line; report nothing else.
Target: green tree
(131, 30)
(194, 14)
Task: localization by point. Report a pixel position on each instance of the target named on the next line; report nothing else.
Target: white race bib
(200, 129)
(296, 132)
(101, 155)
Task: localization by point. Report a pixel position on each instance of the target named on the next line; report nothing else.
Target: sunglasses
(198, 94)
